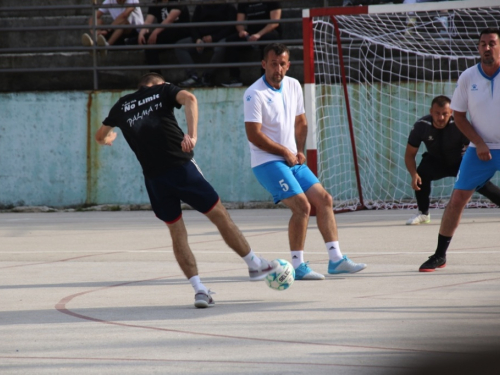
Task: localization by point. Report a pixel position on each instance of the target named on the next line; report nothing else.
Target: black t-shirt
(447, 144)
(161, 13)
(258, 11)
(146, 119)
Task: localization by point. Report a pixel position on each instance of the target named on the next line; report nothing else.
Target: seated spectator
(251, 12)
(129, 14)
(206, 34)
(174, 13)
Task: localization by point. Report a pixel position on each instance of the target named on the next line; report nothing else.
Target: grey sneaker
(102, 42)
(87, 40)
(260, 273)
(190, 82)
(233, 82)
(203, 299)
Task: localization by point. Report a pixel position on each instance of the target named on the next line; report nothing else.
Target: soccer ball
(283, 277)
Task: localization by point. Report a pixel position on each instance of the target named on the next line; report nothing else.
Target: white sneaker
(260, 273)
(345, 265)
(419, 218)
(102, 42)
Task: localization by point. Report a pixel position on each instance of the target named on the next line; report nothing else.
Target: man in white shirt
(276, 128)
(129, 14)
(477, 92)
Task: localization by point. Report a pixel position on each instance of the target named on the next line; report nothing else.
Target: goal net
(370, 73)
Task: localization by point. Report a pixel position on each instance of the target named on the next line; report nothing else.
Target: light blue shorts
(473, 172)
(283, 181)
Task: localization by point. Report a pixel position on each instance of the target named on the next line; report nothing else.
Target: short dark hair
(489, 30)
(441, 100)
(278, 49)
(151, 78)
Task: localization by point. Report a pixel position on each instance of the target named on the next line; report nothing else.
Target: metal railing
(95, 66)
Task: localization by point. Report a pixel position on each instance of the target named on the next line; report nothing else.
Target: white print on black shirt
(149, 99)
(127, 106)
(144, 113)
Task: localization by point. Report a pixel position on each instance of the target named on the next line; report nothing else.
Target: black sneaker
(433, 263)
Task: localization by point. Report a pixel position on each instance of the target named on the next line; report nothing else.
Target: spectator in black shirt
(146, 119)
(206, 34)
(445, 146)
(170, 13)
(253, 32)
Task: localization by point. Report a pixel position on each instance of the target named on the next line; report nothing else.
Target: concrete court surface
(101, 293)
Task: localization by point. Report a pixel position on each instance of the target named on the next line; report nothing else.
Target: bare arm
(172, 16)
(411, 165)
(190, 104)
(123, 16)
(148, 21)
(274, 15)
(105, 135)
(241, 28)
(300, 137)
(262, 141)
(482, 150)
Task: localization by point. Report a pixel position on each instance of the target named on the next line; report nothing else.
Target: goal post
(370, 72)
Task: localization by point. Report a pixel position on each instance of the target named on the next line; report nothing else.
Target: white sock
(297, 258)
(197, 285)
(333, 249)
(252, 260)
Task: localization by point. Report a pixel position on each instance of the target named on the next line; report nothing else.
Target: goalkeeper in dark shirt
(445, 146)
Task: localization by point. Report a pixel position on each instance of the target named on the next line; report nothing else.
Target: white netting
(395, 64)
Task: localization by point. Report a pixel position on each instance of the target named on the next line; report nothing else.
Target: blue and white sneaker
(303, 272)
(345, 265)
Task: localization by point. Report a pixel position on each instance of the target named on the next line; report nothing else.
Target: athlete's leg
(182, 251)
(490, 191)
(228, 229)
(453, 211)
(297, 226)
(325, 218)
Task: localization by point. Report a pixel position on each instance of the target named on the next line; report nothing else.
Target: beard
(487, 60)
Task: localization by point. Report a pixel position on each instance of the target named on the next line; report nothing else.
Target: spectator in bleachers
(253, 32)
(206, 34)
(129, 14)
(171, 13)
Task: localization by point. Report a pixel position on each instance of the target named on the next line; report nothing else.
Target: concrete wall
(48, 155)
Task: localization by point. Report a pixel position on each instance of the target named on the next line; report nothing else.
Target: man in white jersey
(276, 128)
(477, 92)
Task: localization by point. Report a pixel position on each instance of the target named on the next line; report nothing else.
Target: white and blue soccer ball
(283, 277)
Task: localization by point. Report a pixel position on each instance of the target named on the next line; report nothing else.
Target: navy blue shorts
(185, 183)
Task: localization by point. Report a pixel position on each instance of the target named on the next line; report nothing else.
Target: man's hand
(290, 158)
(416, 181)
(153, 37)
(188, 143)
(301, 158)
(483, 152)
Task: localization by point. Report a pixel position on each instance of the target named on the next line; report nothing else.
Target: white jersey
(276, 110)
(479, 95)
(135, 18)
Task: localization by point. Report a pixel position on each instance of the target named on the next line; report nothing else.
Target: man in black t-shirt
(445, 146)
(253, 32)
(146, 119)
(168, 14)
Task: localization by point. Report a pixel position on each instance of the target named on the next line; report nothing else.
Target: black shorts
(185, 183)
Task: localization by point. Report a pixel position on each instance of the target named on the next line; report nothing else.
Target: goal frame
(309, 70)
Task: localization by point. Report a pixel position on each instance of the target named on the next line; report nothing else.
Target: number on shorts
(284, 185)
